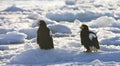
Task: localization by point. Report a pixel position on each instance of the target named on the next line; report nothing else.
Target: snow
(4, 30)
(13, 8)
(107, 37)
(30, 32)
(70, 2)
(72, 54)
(58, 28)
(61, 15)
(12, 38)
(18, 28)
(103, 21)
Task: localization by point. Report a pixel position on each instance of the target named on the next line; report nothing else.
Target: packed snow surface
(18, 30)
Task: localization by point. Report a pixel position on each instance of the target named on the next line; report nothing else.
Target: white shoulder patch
(91, 36)
(50, 33)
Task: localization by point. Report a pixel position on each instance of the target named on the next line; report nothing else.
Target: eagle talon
(88, 51)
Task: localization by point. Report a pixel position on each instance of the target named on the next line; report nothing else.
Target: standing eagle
(44, 39)
(89, 39)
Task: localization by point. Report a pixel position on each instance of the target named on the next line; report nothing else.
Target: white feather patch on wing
(91, 36)
(50, 33)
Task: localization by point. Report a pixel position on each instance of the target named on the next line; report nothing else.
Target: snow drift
(12, 38)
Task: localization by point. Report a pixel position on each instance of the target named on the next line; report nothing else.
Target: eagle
(89, 39)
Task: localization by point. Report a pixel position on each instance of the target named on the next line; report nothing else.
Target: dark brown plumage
(88, 39)
(44, 40)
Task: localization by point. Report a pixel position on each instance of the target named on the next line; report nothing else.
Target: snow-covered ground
(18, 26)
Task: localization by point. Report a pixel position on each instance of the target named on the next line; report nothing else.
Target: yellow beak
(38, 23)
(81, 27)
